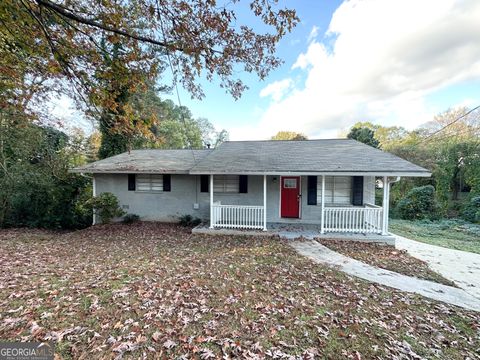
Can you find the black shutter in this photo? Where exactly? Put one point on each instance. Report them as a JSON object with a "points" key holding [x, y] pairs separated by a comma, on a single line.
{"points": [[131, 182], [243, 184], [204, 183], [312, 190], [357, 190], [167, 184]]}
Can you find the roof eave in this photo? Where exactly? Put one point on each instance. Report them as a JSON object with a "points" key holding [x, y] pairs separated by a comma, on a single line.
{"points": [[96, 171], [327, 173]]}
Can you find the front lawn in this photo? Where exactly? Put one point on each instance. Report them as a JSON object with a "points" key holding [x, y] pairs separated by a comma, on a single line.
{"points": [[152, 290], [454, 234]]}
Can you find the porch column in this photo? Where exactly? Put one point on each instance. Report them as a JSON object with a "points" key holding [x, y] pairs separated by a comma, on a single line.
{"points": [[322, 226], [264, 202], [386, 197], [211, 201], [94, 193]]}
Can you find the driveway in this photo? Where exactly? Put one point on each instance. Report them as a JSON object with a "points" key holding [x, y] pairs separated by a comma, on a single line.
{"points": [[461, 267], [448, 294]]}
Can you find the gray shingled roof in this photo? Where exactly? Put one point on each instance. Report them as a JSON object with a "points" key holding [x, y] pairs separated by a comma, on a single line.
{"points": [[342, 156], [147, 161], [329, 155]]}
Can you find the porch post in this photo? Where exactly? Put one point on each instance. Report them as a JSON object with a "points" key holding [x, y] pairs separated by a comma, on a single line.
{"points": [[211, 201], [264, 202], [94, 193], [322, 226], [385, 205]]}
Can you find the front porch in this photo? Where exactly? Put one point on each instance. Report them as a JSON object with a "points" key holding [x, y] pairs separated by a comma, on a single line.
{"points": [[342, 205]]}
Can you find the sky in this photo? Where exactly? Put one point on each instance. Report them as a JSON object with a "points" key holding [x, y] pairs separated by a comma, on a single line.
{"points": [[390, 62]]}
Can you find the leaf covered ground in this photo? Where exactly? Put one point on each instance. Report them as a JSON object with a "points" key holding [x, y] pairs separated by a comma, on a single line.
{"points": [[385, 257], [156, 291]]}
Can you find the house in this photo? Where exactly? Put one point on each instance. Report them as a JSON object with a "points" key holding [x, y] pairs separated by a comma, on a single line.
{"points": [[330, 183]]}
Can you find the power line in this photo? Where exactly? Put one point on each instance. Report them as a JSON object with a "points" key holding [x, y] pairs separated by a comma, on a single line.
{"points": [[449, 124], [174, 75]]}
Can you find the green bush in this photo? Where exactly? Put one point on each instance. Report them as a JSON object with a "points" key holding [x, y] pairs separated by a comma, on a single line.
{"points": [[471, 210], [419, 203], [130, 218], [189, 220], [36, 199], [106, 206]]}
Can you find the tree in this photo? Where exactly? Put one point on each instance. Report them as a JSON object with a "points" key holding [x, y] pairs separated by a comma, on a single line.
{"points": [[211, 137], [35, 186], [390, 136], [67, 41], [289, 135], [364, 134], [117, 120], [171, 126], [453, 140], [221, 137]]}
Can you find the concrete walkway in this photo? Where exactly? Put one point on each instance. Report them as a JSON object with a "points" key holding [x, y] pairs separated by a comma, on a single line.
{"points": [[321, 254], [461, 267]]}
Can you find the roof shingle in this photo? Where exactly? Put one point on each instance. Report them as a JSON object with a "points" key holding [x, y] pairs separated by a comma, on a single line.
{"points": [[147, 161], [342, 156], [326, 155]]}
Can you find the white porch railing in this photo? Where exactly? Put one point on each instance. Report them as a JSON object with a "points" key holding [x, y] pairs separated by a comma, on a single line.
{"points": [[237, 216], [366, 219]]}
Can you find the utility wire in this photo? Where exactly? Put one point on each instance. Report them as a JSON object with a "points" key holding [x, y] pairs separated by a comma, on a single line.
{"points": [[175, 84], [429, 137]]}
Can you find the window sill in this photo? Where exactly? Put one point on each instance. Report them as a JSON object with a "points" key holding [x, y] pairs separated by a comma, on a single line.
{"points": [[150, 191]]}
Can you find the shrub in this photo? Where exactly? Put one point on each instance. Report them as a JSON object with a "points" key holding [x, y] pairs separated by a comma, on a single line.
{"points": [[471, 210], [130, 218], [106, 206], [189, 220], [419, 203]]}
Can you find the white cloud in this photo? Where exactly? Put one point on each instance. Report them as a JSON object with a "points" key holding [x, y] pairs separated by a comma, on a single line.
{"points": [[313, 33], [277, 89], [387, 57]]}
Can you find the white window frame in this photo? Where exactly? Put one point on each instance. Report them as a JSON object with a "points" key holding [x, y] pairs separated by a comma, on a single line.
{"points": [[226, 184], [149, 183]]}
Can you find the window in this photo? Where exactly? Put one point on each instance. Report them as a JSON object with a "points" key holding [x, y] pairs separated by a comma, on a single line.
{"points": [[149, 182], [289, 183], [226, 184], [369, 190], [338, 190]]}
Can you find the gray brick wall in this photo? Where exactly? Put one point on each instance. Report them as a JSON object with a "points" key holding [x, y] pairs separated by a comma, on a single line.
{"points": [[185, 192]]}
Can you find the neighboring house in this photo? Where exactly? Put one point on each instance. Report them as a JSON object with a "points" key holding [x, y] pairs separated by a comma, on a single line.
{"points": [[326, 182]]}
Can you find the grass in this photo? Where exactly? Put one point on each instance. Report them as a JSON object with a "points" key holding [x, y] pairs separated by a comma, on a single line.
{"points": [[156, 291], [454, 234], [386, 257]]}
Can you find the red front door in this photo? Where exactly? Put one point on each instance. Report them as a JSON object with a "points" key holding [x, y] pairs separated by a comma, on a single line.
{"points": [[290, 193]]}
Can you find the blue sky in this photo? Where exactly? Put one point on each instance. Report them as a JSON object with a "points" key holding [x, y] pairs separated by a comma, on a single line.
{"points": [[225, 112], [407, 61], [391, 62]]}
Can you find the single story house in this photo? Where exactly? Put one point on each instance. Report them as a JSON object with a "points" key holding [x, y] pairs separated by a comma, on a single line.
{"points": [[250, 184]]}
